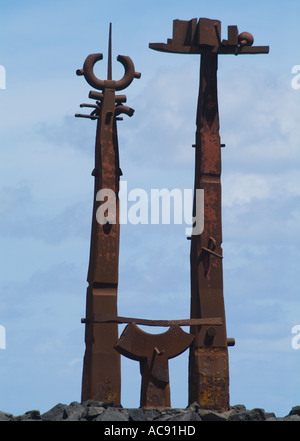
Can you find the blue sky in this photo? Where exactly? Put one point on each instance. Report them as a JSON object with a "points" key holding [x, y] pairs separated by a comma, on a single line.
{"points": [[46, 192]]}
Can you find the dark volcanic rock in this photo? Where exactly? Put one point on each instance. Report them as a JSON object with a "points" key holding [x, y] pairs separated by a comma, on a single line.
{"points": [[99, 411], [184, 415], [31, 415], [295, 411], [248, 415], [143, 414], [113, 414], [5, 416], [56, 413]]}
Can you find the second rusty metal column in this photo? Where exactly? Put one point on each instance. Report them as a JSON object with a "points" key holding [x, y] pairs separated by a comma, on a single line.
{"points": [[208, 363], [101, 378]]}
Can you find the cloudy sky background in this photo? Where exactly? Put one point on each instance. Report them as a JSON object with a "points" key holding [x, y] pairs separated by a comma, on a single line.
{"points": [[46, 192]]}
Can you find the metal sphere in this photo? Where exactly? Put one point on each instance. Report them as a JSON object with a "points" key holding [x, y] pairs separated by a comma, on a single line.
{"points": [[246, 39]]}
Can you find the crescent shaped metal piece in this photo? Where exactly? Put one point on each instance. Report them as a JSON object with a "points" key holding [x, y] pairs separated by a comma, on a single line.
{"points": [[88, 71], [137, 344], [130, 72]]}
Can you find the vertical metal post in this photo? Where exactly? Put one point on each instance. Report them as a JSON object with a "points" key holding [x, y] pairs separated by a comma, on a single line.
{"points": [[208, 362], [101, 378], [101, 372]]}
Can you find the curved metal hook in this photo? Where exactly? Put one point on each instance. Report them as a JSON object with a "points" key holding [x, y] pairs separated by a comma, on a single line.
{"points": [[130, 72], [123, 109], [88, 72]]}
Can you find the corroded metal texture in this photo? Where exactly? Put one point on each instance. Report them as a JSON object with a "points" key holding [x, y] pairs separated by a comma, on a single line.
{"points": [[101, 369], [208, 367], [153, 352], [204, 35], [208, 362], [106, 318]]}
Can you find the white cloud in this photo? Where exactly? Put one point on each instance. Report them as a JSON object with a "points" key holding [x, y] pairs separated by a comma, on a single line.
{"points": [[259, 120], [244, 188]]}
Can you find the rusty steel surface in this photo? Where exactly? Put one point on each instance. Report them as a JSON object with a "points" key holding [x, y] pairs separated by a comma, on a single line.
{"points": [[105, 318], [208, 359], [204, 35], [101, 378], [208, 367], [153, 352]]}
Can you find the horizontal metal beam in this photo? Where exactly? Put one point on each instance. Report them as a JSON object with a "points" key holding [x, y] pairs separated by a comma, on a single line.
{"points": [[225, 50], [105, 318]]}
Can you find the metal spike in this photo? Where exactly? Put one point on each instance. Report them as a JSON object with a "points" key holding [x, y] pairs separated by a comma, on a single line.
{"points": [[109, 68]]}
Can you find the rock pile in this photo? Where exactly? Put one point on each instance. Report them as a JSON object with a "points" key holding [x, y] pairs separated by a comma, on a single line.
{"points": [[99, 411]]}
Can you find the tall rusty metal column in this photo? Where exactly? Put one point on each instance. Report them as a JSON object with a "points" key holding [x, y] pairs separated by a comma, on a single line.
{"points": [[101, 370], [208, 361], [208, 365]]}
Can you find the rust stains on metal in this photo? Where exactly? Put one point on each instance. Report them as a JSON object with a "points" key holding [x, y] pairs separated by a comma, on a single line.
{"points": [[214, 385], [208, 342], [101, 370], [208, 362], [204, 35], [208, 366], [153, 352], [105, 318]]}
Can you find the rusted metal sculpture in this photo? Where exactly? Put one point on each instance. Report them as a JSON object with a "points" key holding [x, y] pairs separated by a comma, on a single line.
{"points": [[153, 352], [208, 361], [101, 371]]}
